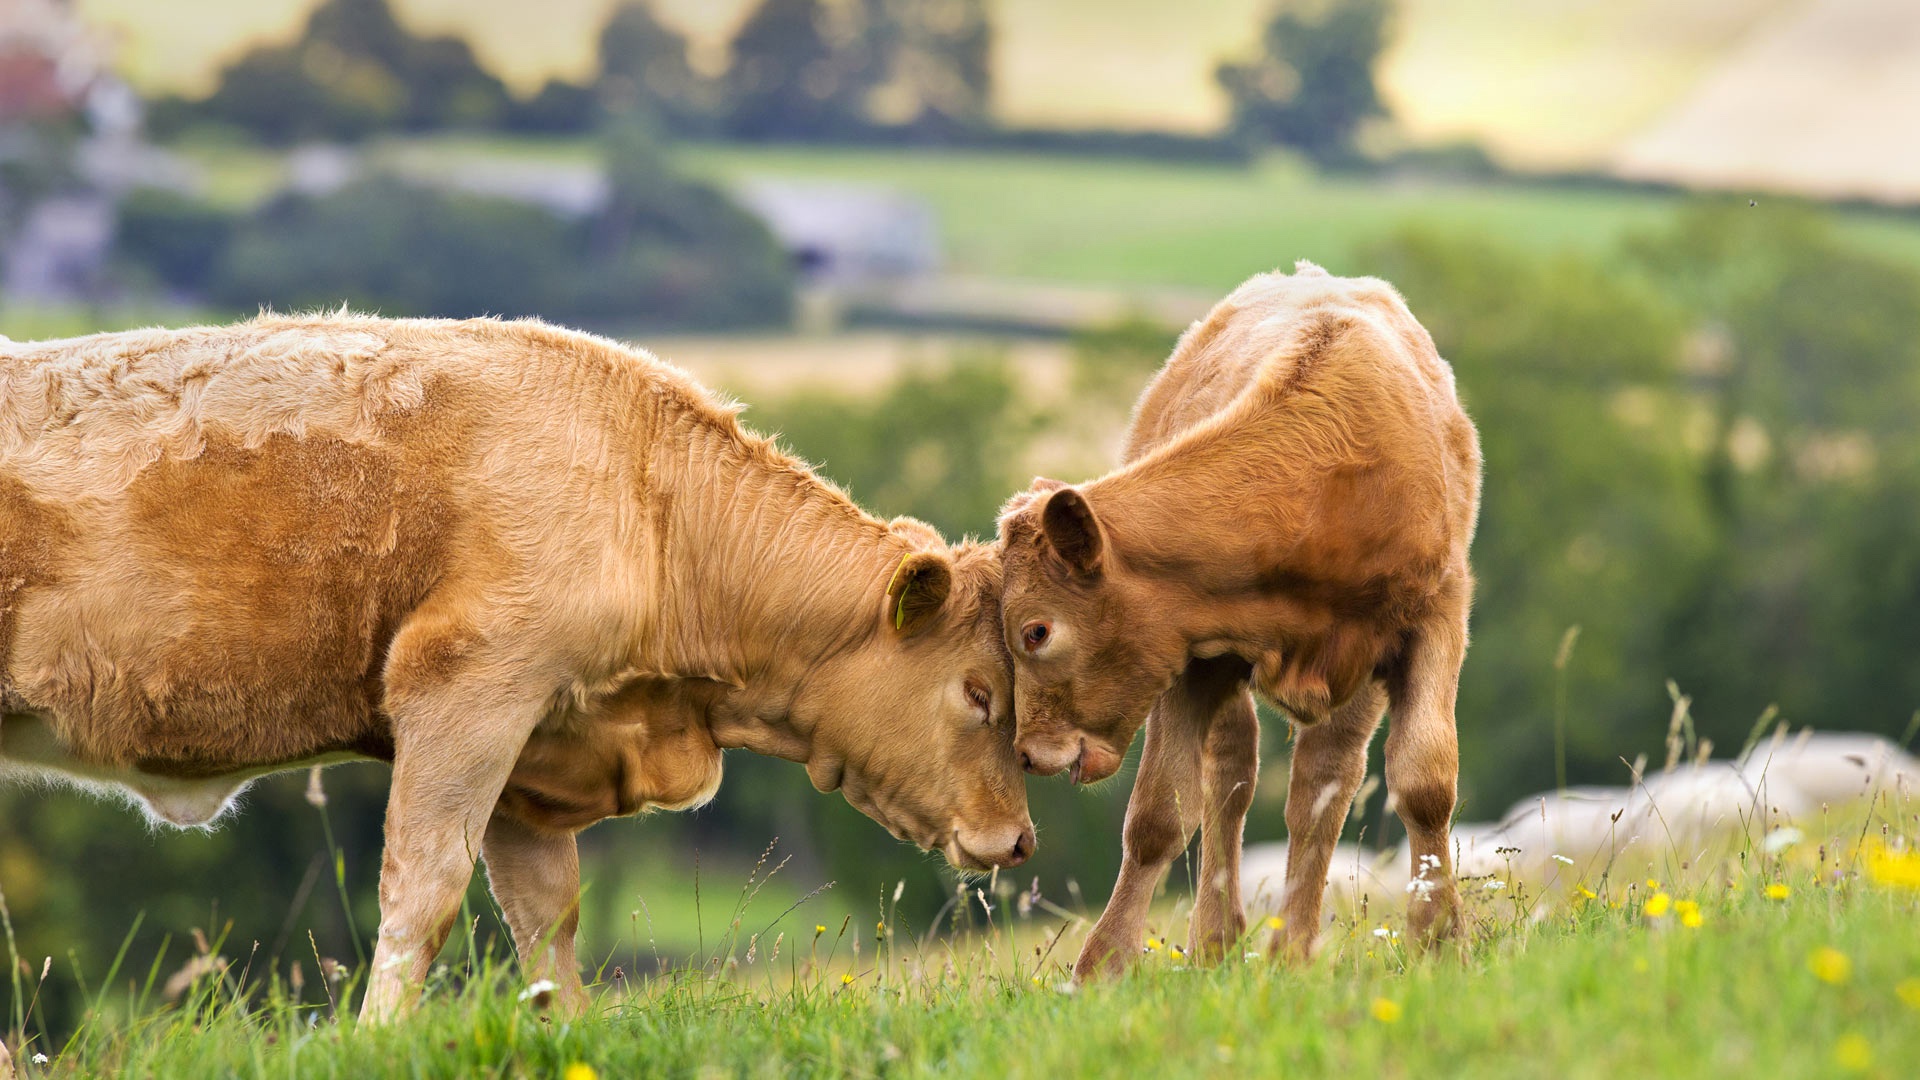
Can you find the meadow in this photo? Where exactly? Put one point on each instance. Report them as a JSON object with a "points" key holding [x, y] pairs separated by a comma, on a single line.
{"points": [[1754, 957], [1118, 222]]}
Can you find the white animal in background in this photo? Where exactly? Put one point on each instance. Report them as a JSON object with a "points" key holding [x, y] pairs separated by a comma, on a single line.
{"points": [[1557, 839]]}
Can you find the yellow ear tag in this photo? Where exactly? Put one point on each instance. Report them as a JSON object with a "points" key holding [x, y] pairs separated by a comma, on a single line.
{"points": [[900, 608]]}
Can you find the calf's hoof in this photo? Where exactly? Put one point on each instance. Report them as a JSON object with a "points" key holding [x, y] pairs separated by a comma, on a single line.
{"points": [[1103, 958]]}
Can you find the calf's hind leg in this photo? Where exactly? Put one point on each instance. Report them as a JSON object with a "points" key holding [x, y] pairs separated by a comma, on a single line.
{"points": [[1423, 770]]}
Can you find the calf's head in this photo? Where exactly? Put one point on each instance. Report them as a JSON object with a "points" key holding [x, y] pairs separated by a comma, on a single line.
{"points": [[914, 721], [1091, 645]]}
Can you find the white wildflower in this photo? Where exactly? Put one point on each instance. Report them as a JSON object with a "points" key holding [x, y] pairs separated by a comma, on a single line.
{"points": [[1495, 885], [1421, 888], [39, 1059], [544, 986], [1781, 839], [1563, 860], [1384, 933]]}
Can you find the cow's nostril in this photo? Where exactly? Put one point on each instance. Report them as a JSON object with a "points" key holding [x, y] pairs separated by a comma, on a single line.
{"points": [[1026, 761], [1023, 846]]}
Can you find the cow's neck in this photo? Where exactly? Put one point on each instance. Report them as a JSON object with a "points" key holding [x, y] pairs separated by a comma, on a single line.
{"points": [[767, 573]]}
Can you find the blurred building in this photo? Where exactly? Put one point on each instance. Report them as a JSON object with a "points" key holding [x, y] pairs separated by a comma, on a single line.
{"points": [[847, 234], [70, 146]]}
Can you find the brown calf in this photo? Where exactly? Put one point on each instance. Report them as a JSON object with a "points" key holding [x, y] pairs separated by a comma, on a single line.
{"points": [[546, 576], [1294, 515]]}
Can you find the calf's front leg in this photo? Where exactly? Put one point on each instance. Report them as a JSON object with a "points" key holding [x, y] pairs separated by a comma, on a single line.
{"points": [[1230, 767], [1166, 806], [1329, 762]]}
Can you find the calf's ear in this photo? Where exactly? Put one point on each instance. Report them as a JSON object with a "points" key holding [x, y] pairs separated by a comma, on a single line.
{"points": [[1073, 532], [918, 591]]}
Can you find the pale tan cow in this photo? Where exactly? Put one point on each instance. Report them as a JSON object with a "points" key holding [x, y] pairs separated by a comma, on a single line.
{"points": [[548, 577], [1294, 515]]}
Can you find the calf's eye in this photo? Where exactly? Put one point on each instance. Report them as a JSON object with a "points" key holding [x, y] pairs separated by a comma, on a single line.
{"points": [[1035, 634]]}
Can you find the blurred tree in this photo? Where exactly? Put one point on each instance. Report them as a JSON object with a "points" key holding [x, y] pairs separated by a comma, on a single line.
{"points": [[665, 252], [1807, 362], [177, 239], [931, 61], [795, 75], [644, 67], [1312, 85], [354, 71]]}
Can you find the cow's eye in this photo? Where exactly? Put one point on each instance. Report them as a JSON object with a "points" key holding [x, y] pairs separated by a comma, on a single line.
{"points": [[981, 698], [1035, 634]]}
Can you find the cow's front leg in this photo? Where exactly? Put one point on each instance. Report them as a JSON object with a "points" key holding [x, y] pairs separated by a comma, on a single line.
{"points": [[535, 875], [1230, 768], [460, 720], [1162, 813]]}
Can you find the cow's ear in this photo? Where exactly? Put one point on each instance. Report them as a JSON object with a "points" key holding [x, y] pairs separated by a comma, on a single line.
{"points": [[1073, 532], [918, 591]]}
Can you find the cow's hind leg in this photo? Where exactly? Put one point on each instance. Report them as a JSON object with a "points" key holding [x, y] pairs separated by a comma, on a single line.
{"points": [[1423, 770], [1162, 813], [1230, 767], [535, 875], [1329, 762]]}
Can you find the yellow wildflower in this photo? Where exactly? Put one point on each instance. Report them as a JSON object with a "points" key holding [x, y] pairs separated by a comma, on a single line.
{"points": [[1689, 913], [1830, 965], [1909, 991], [847, 979], [1853, 1052], [1275, 922], [818, 929], [1899, 869], [1657, 905], [1652, 884], [1385, 1011], [1777, 891], [1156, 944], [580, 1070]]}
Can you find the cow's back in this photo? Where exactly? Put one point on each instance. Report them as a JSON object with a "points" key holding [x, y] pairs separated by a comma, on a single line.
{"points": [[208, 537]]}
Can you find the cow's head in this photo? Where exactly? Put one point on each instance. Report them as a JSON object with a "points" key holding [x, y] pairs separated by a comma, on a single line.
{"points": [[915, 723], [1090, 647]]}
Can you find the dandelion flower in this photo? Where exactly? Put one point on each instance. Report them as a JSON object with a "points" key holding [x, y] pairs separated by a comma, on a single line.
{"points": [[1588, 894], [1689, 913], [1853, 1052], [1898, 869], [1155, 944], [1652, 884], [1275, 922], [1777, 891], [1385, 1010], [1036, 980], [847, 979], [1909, 992], [1657, 905], [818, 929], [1830, 965], [580, 1070]]}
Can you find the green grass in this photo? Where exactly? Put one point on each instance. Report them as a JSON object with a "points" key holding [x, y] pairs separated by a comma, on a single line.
{"points": [[1544, 986]]}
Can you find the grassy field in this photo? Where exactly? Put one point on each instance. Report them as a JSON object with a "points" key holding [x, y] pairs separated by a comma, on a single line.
{"points": [[1798, 964], [1124, 223]]}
